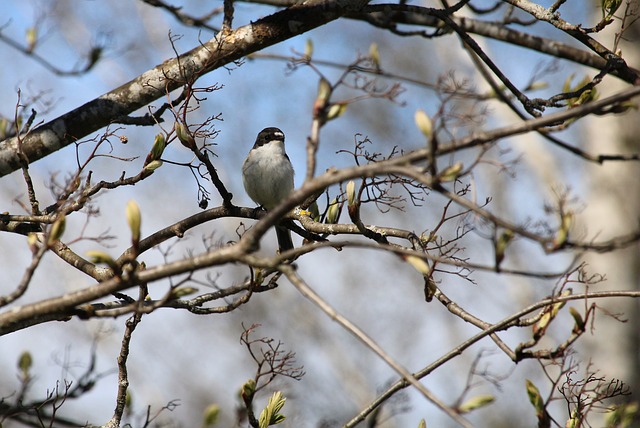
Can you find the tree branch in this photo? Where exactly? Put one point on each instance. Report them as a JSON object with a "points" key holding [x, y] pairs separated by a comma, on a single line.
{"points": [[307, 292], [153, 84]]}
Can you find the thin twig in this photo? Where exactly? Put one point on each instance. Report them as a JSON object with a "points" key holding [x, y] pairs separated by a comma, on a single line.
{"points": [[308, 292], [123, 376]]}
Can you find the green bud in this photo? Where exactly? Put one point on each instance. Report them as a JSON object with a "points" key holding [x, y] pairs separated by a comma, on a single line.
{"points": [[374, 53], [180, 292], [32, 38], [134, 218], [574, 420], [423, 121], [476, 403], [451, 173], [25, 361], [184, 136], [505, 238], [270, 415], [4, 124], [567, 220], [248, 389], [577, 319], [353, 205], [534, 396], [153, 165], [57, 229], [324, 91], [557, 306], [333, 212], [308, 49], [100, 257], [501, 245], [541, 325], [336, 110], [211, 414], [430, 288], [585, 97], [322, 99], [609, 8], [560, 239], [314, 211], [563, 233], [418, 264], [159, 144], [537, 85], [621, 415], [258, 276], [427, 237], [351, 192]]}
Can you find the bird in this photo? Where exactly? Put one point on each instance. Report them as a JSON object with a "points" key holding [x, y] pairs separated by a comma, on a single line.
{"points": [[267, 176]]}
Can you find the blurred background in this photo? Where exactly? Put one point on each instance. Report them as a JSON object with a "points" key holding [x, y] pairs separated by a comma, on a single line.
{"points": [[198, 361]]}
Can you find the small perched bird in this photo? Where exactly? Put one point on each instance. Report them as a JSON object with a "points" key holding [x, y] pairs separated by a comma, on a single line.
{"points": [[267, 175]]}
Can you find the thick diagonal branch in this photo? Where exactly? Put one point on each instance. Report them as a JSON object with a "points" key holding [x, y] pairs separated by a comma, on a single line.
{"points": [[153, 84]]}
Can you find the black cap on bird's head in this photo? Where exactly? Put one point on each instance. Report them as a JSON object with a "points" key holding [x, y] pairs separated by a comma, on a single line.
{"points": [[269, 134]]}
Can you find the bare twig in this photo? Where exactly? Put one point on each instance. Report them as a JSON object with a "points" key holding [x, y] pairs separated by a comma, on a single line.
{"points": [[123, 376], [307, 292]]}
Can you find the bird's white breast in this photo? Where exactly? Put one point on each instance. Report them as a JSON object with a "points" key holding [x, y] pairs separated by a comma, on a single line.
{"points": [[268, 174]]}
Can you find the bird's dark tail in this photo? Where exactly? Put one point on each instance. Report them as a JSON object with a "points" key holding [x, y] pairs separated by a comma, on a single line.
{"points": [[284, 238]]}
